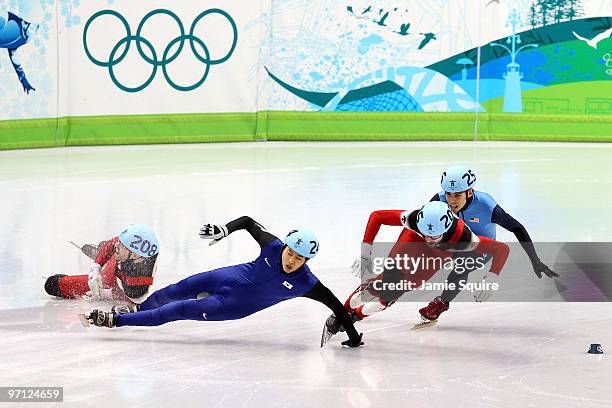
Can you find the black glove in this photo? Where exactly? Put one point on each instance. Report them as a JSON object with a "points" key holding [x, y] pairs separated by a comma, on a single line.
{"points": [[540, 268], [214, 232], [354, 342]]}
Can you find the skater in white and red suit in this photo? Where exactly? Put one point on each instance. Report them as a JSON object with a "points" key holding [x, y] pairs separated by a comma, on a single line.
{"points": [[440, 232], [123, 270]]}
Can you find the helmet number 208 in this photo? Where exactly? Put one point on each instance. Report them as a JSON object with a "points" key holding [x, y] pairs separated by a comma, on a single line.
{"points": [[145, 246]]}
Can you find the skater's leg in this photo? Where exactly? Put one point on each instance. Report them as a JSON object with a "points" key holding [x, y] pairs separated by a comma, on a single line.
{"points": [[456, 279], [460, 279], [361, 303], [210, 308], [442, 303], [189, 288], [364, 302], [68, 287]]}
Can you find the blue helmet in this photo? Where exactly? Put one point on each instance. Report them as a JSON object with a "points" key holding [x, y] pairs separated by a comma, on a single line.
{"points": [[435, 218], [458, 178], [139, 239], [303, 242]]}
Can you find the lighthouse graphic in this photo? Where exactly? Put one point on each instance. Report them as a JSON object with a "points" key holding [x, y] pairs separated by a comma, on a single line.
{"points": [[513, 101]]}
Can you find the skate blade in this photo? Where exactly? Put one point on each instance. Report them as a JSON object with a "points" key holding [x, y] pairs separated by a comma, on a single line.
{"points": [[75, 245], [90, 251], [423, 325], [84, 320], [325, 336]]}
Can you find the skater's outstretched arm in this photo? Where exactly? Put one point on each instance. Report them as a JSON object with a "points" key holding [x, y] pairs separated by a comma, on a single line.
{"points": [[377, 218], [381, 217], [322, 294], [506, 221], [218, 232], [257, 231], [499, 250]]}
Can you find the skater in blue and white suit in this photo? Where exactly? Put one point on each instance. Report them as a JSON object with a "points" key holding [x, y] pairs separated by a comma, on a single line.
{"points": [[279, 273]]}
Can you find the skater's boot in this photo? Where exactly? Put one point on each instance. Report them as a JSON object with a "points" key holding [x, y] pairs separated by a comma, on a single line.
{"points": [[433, 310], [102, 319], [333, 326], [123, 309], [52, 286]]}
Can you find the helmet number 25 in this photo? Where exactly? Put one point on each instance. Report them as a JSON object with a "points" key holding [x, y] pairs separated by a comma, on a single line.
{"points": [[471, 177]]}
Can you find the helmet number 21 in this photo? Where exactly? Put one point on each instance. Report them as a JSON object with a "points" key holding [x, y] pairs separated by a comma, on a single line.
{"points": [[447, 219]]}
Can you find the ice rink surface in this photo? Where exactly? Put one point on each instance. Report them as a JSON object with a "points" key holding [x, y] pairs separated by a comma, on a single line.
{"points": [[479, 355]]}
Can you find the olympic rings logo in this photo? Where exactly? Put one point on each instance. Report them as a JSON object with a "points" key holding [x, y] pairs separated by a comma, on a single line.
{"points": [[126, 42]]}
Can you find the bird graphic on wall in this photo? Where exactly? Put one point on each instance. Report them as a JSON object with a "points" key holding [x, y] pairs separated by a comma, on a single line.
{"points": [[593, 42], [404, 29], [426, 39], [381, 22]]}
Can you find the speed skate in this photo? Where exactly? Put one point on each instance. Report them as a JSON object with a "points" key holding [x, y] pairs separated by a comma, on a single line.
{"points": [[326, 335], [424, 324], [84, 320]]}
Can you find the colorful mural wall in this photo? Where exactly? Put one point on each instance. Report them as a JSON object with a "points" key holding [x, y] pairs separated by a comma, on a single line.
{"points": [[130, 71], [434, 57]]}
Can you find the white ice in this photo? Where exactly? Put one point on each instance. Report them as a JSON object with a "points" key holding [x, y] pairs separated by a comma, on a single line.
{"points": [[479, 355]]}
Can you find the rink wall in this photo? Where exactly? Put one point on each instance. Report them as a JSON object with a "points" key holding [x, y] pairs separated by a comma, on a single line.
{"points": [[135, 71], [389, 126], [299, 126]]}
